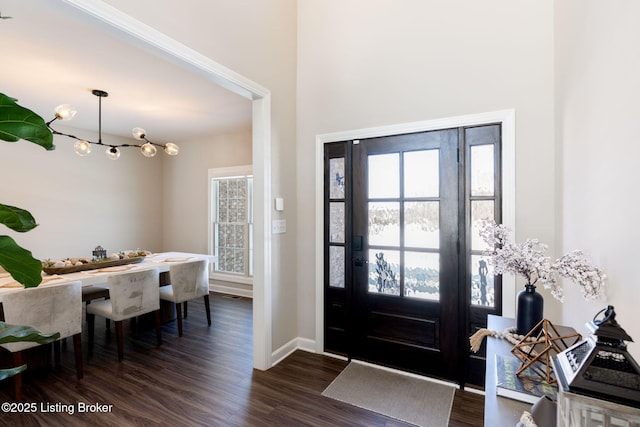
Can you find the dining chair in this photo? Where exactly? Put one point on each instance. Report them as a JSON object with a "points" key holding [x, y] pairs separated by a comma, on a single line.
{"points": [[188, 280], [131, 294], [89, 293], [50, 309]]}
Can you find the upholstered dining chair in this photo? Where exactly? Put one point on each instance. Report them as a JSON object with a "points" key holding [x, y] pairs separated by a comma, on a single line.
{"points": [[48, 308], [89, 293], [189, 280], [131, 294]]}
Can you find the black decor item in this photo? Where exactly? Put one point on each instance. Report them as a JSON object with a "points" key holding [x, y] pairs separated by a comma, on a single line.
{"points": [[530, 309]]}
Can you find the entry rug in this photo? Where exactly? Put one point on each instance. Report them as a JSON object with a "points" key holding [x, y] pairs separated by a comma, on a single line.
{"points": [[403, 397]]}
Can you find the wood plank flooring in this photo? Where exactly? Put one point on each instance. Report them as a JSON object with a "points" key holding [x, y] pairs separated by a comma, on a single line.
{"points": [[204, 378]]}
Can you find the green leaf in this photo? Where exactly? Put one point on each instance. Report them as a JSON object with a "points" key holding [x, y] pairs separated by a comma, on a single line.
{"points": [[17, 123], [8, 373], [20, 333], [16, 219], [20, 263]]}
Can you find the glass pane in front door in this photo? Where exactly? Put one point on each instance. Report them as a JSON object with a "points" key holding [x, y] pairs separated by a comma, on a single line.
{"points": [[384, 272], [421, 173], [422, 275], [383, 176], [422, 225]]}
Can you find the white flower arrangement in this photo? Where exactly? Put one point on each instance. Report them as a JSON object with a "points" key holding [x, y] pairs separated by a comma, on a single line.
{"points": [[528, 260]]}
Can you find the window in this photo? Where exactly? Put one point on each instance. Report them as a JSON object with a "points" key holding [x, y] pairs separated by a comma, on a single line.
{"points": [[231, 231]]}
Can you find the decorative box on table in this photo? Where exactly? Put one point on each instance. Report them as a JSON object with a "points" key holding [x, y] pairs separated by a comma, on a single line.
{"points": [[598, 380]]}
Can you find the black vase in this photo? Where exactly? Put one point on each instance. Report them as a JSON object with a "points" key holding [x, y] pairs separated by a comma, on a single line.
{"points": [[530, 308]]}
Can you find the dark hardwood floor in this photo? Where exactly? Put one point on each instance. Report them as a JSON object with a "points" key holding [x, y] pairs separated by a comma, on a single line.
{"points": [[204, 378]]}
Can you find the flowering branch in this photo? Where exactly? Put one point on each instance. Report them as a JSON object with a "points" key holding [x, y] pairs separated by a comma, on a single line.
{"points": [[529, 261]]}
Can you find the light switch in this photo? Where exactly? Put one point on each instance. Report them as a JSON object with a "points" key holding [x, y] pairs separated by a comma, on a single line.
{"points": [[279, 204]]}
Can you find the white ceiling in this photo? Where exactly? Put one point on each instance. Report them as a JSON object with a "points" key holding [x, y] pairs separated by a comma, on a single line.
{"points": [[53, 54]]}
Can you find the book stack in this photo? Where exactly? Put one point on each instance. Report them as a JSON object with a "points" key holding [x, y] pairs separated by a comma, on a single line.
{"points": [[521, 388]]}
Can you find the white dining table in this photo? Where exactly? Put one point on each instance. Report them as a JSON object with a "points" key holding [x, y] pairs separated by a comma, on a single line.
{"points": [[162, 261]]}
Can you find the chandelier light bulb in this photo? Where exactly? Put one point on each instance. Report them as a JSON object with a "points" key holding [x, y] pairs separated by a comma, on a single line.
{"points": [[82, 148], [171, 149], [113, 153], [139, 133], [148, 150], [65, 112]]}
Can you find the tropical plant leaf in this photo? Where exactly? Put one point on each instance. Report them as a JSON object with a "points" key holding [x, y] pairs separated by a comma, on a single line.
{"points": [[17, 219], [8, 373], [18, 333], [20, 263], [17, 123], [22, 333]]}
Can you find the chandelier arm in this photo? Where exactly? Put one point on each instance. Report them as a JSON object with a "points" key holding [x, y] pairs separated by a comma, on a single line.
{"points": [[154, 143], [68, 135]]}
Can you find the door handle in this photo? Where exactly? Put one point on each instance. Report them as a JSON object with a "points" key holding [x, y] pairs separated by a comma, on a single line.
{"points": [[359, 260]]}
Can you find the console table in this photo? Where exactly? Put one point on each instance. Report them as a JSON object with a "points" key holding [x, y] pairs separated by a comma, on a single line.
{"points": [[501, 411]]}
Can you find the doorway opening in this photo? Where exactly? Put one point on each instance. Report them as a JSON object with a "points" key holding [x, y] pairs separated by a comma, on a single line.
{"points": [[137, 33]]}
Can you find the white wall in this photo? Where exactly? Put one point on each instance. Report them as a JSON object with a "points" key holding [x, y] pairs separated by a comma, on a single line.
{"points": [[82, 202], [597, 87], [256, 39], [186, 191], [368, 63]]}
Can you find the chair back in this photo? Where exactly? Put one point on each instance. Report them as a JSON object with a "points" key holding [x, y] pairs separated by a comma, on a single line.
{"points": [[189, 280], [135, 293], [47, 308]]}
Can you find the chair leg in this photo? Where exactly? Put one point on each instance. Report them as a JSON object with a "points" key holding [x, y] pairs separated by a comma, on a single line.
{"points": [[91, 321], [77, 349], [17, 379], [179, 316], [120, 339], [158, 328], [56, 353], [185, 309], [207, 307]]}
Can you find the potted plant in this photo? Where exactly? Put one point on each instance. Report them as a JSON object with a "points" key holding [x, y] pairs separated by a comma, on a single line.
{"points": [[16, 123], [529, 260]]}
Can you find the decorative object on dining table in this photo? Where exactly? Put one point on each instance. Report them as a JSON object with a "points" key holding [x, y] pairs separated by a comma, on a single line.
{"points": [[99, 252], [73, 265], [529, 261]]}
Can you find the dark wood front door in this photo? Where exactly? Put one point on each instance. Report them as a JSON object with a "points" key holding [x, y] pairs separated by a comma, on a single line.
{"points": [[399, 273], [405, 276]]}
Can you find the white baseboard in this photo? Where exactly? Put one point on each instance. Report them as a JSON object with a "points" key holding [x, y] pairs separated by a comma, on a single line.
{"points": [[297, 343], [224, 289]]}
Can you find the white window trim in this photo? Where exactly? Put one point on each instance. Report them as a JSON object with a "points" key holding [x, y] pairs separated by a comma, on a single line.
{"points": [[243, 170]]}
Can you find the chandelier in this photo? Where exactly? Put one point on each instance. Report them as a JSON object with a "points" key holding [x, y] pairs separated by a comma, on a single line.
{"points": [[83, 146]]}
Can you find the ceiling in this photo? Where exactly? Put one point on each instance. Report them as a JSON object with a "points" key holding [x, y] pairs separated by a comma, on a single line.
{"points": [[53, 54]]}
